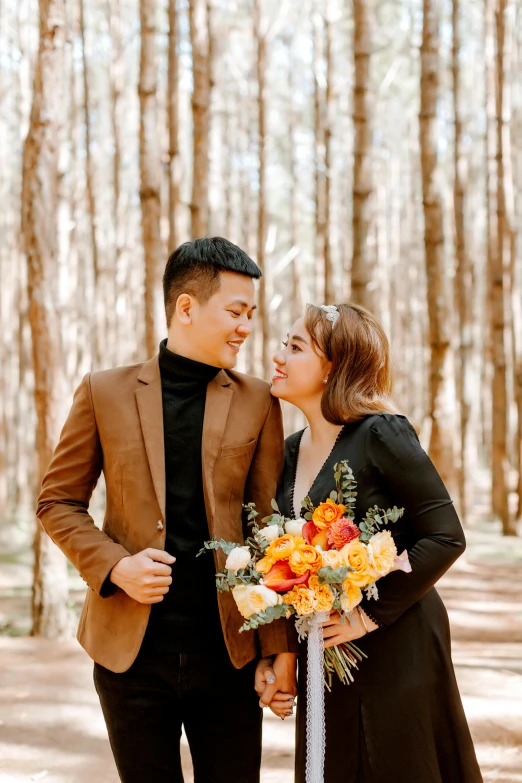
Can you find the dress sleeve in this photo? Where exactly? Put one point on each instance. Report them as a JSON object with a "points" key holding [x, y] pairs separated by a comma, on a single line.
{"points": [[394, 451]]}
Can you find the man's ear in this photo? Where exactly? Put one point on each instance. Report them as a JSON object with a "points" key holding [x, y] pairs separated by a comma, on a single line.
{"points": [[184, 305]]}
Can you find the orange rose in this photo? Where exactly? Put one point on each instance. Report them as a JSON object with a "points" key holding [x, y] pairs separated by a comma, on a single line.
{"points": [[323, 596], [326, 513], [281, 548], [305, 558], [301, 598], [320, 539], [264, 565]]}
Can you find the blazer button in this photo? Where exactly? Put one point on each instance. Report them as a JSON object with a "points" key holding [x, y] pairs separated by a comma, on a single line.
{"points": [[160, 525]]}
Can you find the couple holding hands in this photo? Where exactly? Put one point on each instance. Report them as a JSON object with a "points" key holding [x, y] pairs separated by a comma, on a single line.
{"points": [[184, 441]]}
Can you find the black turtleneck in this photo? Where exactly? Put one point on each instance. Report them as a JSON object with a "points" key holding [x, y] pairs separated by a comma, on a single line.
{"points": [[187, 619]]}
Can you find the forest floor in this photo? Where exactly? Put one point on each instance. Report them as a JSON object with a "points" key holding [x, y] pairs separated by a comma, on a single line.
{"points": [[51, 726]]}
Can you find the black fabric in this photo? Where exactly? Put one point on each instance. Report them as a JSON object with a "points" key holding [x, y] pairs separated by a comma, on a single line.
{"points": [[402, 718], [187, 620], [145, 707]]}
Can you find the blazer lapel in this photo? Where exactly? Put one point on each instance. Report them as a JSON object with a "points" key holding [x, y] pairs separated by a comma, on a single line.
{"points": [[217, 405], [150, 409]]}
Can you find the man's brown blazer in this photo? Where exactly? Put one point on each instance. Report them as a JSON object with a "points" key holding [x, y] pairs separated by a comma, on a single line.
{"points": [[116, 426]]}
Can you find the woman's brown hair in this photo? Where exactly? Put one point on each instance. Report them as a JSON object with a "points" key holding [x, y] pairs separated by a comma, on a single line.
{"points": [[360, 381]]}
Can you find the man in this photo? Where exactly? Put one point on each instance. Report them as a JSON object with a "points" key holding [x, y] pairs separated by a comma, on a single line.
{"points": [[183, 441]]}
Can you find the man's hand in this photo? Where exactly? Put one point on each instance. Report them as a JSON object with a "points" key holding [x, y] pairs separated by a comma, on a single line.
{"points": [[146, 577], [278, 677]]}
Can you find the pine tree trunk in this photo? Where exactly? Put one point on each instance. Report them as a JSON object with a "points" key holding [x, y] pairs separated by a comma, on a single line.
{"points": [[149, 169], [329, 284], [516, 258], [199, 37], [363, 256], [463, 277], [116, 86], [172, 118], [491, 222], [98, 308], [499, 391], [319, 161], [440, 379], [262, 303], [40, 195]]}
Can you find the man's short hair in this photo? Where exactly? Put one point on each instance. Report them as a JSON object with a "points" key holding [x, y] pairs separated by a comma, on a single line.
{"points": [[195, 266]]}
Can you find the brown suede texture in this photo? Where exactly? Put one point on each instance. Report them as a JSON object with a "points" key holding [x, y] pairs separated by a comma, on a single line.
{"points": [[115, 425]]}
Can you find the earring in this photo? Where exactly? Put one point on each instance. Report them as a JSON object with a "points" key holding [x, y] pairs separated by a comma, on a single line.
{"points": [[325, 380]]}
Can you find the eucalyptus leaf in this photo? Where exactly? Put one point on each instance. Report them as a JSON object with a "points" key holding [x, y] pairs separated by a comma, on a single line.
{"points": [[332, 576]]}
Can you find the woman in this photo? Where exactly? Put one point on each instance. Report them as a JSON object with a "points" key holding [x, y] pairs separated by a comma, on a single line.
{"points": [[402, 719]]}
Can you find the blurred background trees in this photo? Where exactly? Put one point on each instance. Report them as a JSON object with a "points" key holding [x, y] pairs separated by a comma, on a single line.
{"points": [[357, 150]]}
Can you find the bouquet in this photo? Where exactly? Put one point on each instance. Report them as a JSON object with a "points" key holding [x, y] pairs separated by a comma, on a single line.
{"points": [[311, 566]]}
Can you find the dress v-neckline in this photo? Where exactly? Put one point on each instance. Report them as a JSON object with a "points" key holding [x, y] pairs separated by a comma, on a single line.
{"points": [[292, 509]]}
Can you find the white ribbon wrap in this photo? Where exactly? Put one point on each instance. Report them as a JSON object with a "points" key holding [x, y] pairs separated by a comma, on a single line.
{"points": [[315, 720]]}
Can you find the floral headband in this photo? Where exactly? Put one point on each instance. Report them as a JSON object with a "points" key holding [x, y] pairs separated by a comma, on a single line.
{"points": [[332, 313]]}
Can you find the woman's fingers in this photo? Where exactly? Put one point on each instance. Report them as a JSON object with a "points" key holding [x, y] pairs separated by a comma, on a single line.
{"points": [[283, 697], [332, 620], [332, 630], [333, 641], [281, 709]]}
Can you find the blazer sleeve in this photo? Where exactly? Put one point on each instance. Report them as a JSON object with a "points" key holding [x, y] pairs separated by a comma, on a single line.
{"points": [[261, 487], [400, 462], [66, 491]]}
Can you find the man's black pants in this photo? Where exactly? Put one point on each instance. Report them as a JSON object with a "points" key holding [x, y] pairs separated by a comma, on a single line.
{"points": [[146, 707]]}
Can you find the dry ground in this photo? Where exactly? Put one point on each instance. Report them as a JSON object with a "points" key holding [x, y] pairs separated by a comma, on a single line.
{"points": [[51, 727]]}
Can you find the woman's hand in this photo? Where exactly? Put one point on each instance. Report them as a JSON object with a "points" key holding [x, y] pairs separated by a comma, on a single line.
{"points": [[283, 705], [275, 683], [336, 632]]}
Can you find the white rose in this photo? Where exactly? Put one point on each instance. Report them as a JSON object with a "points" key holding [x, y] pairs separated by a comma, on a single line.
{"points": [[332, 558], [270, 533], [238, 558], [295, 526], [251, 599]]}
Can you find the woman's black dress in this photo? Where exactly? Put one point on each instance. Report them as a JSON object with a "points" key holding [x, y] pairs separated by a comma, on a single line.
{"points": [[402, 720]]}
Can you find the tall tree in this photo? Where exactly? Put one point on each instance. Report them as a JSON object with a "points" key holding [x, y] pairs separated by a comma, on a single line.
{"points": [[199, 38], [440, 378], [40, 197], [499, 390], [115, 109], [363, 255], [329, 282], [98, 309], [319, 155], [463, 276], [260, 43], [149, 168], [173, 125]]}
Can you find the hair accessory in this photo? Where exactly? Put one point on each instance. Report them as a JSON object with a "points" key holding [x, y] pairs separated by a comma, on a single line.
{"points": [[332, 312]]}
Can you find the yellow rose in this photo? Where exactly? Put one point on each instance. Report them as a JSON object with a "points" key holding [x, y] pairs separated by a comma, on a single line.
{"points": [[382, 551], [251, 599], [332, 558], [352, 595], [326, 513], [323, 596], [305, 558], [355, 554], [264, 565], [301, 598], [281, 548]]}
